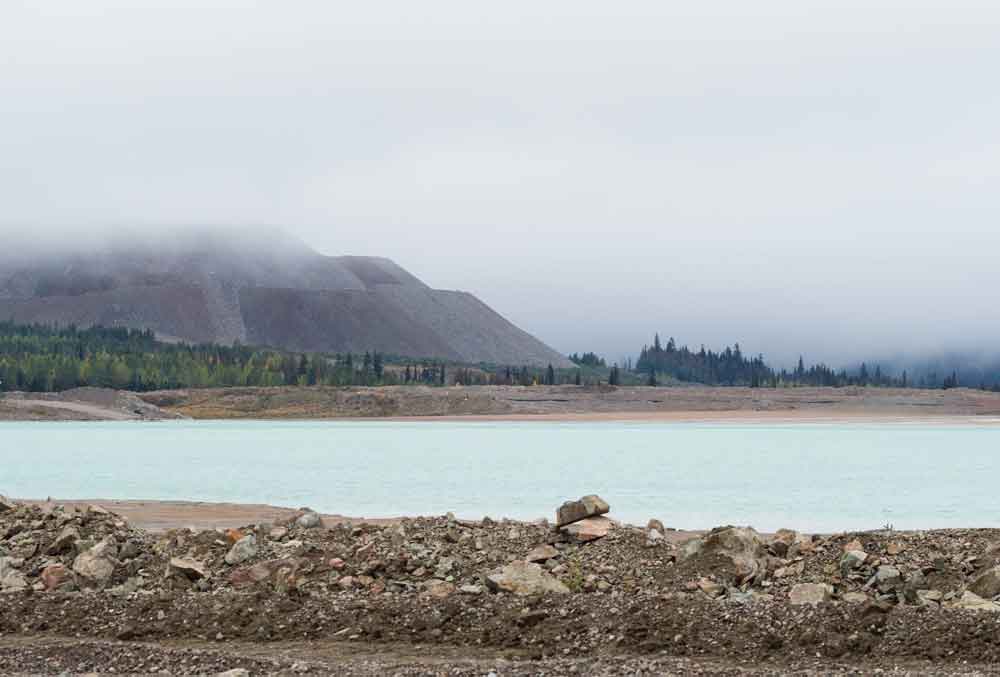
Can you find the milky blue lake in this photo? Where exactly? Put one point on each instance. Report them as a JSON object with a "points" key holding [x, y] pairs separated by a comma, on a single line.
{"points": [[814, 477]]}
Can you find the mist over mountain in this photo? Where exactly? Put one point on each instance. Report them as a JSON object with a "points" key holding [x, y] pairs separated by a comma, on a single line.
{"points": [[259, 287]]}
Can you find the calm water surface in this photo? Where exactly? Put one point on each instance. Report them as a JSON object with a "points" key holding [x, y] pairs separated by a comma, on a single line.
{"points": [[820, 477]]}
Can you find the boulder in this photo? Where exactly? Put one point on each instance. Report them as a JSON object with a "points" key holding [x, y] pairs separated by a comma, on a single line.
{"points": [[54, 576], [810, 593], [188, 568], [655, 533], [987, 584], [589, 529], [97, 565], [852, 559], [525, 578], [574, 511], [438, 589], [742, 546], [65, 541], [972, 601], [308, 520], [711, 588], [541, 554], [11, 580], [6, 505], [887, 578], [925, 597], [654, 538], [854, 597], [242, 550]]}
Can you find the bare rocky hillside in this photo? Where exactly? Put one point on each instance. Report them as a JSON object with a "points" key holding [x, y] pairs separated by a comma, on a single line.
{"points": [[226, 286]]}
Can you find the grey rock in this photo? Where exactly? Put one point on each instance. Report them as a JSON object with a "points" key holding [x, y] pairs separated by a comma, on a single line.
{"points": [[65, 541], [541, 554], [96, 565], [853, 559], [972, 601], [887, 579], [188, 568], [309, 520], [574, 511], [11, 580], [242, 550], [525, 578], [810, 593], [987, 584], [742, 545]]}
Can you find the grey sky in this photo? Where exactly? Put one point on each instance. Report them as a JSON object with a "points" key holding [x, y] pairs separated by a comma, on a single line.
{"points": [[792, 175]]}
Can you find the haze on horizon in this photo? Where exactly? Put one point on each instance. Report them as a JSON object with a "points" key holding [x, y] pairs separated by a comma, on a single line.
{"points": [[794, 176]]}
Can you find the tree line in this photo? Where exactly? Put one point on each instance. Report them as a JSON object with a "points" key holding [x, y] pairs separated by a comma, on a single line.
{"points": [[730, 366], [42, 358]]}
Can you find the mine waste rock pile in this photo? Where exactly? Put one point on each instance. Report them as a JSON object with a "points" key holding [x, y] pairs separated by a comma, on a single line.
{"points": [[583, 585]]}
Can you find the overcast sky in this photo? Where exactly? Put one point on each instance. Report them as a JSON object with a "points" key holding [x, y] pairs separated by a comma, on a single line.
{"points": [[795, 176]]}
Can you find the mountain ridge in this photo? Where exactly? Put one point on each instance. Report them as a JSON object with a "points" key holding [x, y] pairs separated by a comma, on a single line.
{"points": [[262, 290]]}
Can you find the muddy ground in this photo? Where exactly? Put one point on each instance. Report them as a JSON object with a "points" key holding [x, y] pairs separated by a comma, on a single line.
{"points": [[85, 590]]}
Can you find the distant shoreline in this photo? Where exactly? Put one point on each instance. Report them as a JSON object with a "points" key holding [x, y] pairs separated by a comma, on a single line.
{"points": [[695, 404]]}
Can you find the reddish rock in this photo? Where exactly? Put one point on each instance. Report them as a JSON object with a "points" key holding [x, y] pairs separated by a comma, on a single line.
{"points": [[54, 575], [589, 529]]}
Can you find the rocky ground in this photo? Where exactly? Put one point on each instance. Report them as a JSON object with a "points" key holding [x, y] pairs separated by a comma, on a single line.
{"points": [[84, 591]]}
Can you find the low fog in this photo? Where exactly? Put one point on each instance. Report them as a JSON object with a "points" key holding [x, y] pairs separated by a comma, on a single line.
{"points": [[798, 177]]}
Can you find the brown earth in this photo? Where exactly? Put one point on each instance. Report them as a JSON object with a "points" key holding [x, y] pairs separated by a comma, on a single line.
{"points": [[409, 598]]}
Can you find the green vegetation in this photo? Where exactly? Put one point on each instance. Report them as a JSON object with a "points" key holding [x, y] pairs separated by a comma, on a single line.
{"points": [[39, 358], [731, 367]]}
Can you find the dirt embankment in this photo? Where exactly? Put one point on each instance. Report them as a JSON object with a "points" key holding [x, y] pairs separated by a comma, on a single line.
{"points": [[84, 590], [80, 404], [578, 403]]}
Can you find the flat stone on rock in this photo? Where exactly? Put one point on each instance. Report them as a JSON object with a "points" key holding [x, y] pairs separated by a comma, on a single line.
{"points": [[541, 554], [574, 511], [987, 585], [810, 593], [525, 578], [190, 569], [589, 529]]}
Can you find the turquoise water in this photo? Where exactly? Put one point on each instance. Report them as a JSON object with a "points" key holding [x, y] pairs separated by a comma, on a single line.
{"points": [[817, 477]]}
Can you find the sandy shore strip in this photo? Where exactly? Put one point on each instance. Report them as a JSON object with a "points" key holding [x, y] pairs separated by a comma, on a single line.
{"points": [[721, 417], [159, 516]]}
